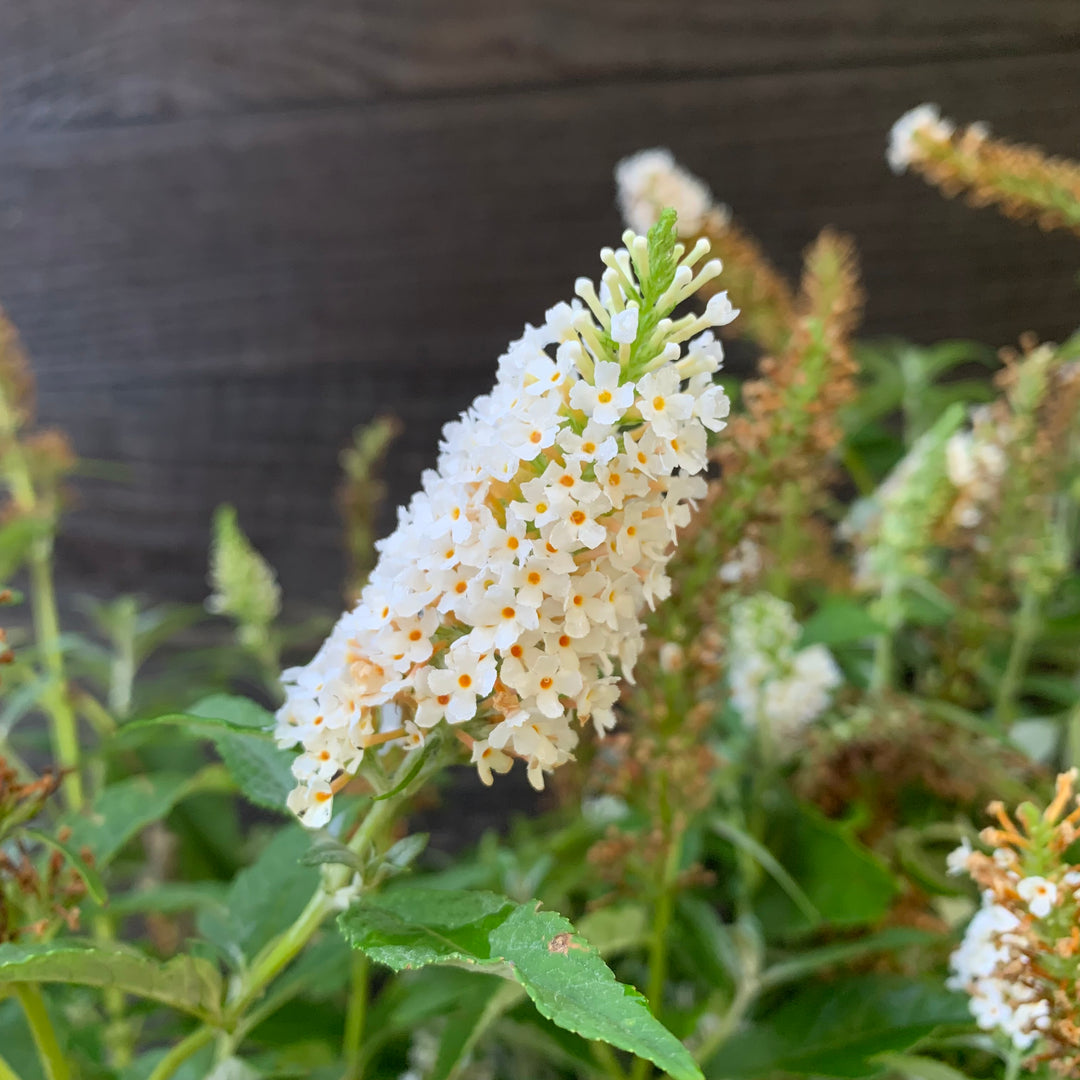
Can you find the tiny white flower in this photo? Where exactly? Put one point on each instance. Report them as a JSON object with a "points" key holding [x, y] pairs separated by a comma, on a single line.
{"points": [[605, 400], [1039, 894], [624, 325]]}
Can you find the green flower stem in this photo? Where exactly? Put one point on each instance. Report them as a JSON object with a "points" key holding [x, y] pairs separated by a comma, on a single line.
{"points": [[745, 996], [658, 939], [881, 674], [7, 1072], [280, 953], [356, 1017], [63, 726], [52, 1057], [176, 1057], [1026, 630], [606, 1059], [119, 1037], [65, 732]]}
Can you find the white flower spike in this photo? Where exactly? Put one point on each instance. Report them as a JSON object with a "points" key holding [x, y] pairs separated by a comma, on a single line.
{"points": [[506, 603]]}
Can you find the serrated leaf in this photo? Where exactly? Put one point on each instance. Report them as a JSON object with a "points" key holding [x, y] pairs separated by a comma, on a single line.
{"points": [[264, 898], [611, 931], [563, 974], [839, 1028], [238, 712], [187, 984], [240, 731]]}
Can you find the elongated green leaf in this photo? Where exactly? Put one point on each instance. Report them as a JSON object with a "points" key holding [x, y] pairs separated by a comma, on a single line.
{"points": [[917, 1067], [186, 983], [838, 1029], [847, 884], [170, 898], [240, 730], [769, 864], [264, 898], [839, 622], [238, 712], [814, 960], [563, 974], [125, 808]]}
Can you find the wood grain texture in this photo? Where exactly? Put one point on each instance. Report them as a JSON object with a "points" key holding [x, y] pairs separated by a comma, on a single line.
{"points": [[214, 302], [74, 62]]}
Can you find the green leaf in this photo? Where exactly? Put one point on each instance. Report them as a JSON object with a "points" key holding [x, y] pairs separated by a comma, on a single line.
{"points": [[264, 898], [324, 849], [814, 960], [170, 898], [125, 808], [611, 931], [768, 862], [15, 540], [846, 883], [91, 878], [839, 621], [185, 983], [404, 853], [917, 1067], [564, 975], [838, 1029], [236, 712], [240, 730]]}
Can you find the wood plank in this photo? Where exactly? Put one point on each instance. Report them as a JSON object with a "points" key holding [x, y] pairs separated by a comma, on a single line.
{"points": [[215, 303], [69, 61]]}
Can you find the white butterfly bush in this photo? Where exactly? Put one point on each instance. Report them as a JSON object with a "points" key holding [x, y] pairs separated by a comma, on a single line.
{"points": [[506, 602], [772, 682]]}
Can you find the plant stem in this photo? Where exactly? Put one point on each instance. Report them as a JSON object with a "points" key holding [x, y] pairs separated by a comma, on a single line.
{"points": [[606, 1059], [64, 728], [881, 675], [41, 1027], [199, 1038], [744, 998], [658, 944], [356, 1017], [1013, 1063], [119, 1039], [1026, 630], [280, 953]]}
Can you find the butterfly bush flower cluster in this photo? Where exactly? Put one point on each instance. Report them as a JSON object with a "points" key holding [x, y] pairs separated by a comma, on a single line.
{"points": [[975, 462], [1020, 957], [506, 602], [774, 684]]}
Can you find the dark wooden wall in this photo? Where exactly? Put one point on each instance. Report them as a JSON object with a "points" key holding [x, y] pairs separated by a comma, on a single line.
{"points": [[232, 229]]}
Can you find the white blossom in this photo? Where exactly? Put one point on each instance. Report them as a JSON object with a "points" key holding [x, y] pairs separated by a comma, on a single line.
{"points": [[902, 147], [773, 683], [1039, 894], [507, 601]]}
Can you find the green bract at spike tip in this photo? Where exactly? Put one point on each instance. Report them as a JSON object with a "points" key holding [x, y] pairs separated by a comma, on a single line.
{"points": [[662, 239]]}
